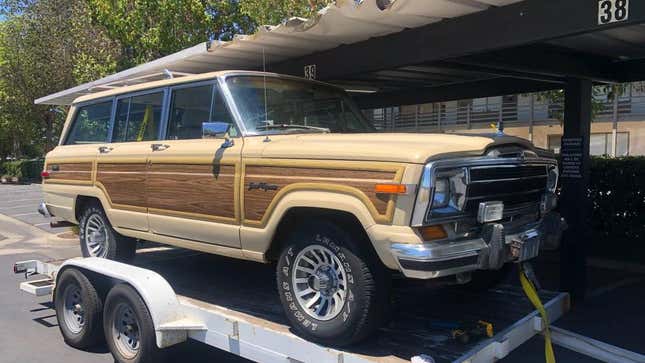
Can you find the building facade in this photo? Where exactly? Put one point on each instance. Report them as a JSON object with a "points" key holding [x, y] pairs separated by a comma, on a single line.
{"points": [[618, 127]]}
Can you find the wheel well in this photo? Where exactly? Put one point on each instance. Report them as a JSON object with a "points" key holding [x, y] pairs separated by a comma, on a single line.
{"points": [[83, 202], [295, 216]]}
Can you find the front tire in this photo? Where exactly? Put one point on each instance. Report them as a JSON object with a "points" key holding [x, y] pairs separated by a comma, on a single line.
{"points": [[332, 287], [99, 239]]}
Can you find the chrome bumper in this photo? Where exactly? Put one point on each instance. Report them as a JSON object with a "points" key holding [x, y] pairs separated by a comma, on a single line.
{"points": [[42, 209], [490, 251]]}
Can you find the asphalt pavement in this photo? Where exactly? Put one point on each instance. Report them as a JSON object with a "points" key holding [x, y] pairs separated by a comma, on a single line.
{"points": [[612, 312]]}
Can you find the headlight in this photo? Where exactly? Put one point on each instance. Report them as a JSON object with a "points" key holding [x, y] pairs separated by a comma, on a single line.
{"points": [[442, 193], [449, 193]]}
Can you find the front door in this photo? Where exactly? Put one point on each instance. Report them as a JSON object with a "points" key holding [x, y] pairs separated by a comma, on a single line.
{"points": [[192, 184], [122, 165]]}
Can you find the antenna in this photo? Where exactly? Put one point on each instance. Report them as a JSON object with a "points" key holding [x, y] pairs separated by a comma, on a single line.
{"points": [[264, 77]]}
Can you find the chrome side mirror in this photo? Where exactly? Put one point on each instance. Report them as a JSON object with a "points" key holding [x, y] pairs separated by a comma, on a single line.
{"points": [[215, 130]]}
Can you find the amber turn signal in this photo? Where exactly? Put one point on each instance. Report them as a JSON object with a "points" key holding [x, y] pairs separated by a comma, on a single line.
{"points": [[390, 188], [432, 233]]}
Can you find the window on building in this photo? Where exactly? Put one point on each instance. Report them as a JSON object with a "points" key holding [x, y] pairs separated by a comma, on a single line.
{"points": [[599, 144], [138, 118], [91, 124]]}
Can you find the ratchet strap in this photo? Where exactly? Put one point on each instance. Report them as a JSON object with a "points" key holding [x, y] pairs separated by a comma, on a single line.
{"points": [[531, 293]]}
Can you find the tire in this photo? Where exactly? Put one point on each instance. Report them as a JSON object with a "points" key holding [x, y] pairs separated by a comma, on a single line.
{"points": [[107, 243], [487, 279], [78, 309], [128, 327], [339, 322]]}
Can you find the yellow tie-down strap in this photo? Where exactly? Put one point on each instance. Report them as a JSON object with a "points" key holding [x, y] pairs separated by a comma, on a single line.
{"points": [[531, 293]]}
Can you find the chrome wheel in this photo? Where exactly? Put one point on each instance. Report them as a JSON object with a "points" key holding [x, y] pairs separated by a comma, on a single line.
{"points": [[73, 312], [96, 236], [319, 282], [125, 331]]}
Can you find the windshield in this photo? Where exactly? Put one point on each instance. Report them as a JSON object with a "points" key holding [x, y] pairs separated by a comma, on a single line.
{"points": [[294, 106]]}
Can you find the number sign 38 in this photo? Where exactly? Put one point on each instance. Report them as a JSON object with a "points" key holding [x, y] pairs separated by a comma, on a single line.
{"points": [[612, 11]]}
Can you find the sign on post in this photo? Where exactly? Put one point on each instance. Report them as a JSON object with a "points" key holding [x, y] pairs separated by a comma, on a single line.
{"points": [[612, 11]]}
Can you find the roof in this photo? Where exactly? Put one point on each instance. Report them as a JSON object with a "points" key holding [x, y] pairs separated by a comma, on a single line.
{"points": [[345, 22]]}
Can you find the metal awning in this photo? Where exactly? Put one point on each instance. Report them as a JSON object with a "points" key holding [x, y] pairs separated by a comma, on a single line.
{"points": [[345, 22]]}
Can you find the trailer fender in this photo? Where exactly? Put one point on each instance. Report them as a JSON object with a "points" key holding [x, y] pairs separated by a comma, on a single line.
{"points": [[167, 314]]}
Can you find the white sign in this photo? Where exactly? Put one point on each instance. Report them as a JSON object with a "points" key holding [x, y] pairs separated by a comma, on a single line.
{"points": [[310, 71], [612, 11]]}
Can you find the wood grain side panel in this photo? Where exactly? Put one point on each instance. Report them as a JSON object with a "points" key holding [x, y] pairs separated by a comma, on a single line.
{"points": [[123, 183], [195, 189], [70, 171], [257, 201]]}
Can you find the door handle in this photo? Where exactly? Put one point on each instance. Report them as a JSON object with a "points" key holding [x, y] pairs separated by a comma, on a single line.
{"points": [[105, 149], [159, 147]]}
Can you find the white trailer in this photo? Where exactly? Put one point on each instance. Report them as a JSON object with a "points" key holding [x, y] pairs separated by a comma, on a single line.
{"points": [[143, 314]]}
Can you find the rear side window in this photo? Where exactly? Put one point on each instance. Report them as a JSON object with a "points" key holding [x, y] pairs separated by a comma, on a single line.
{"points": [[138, 118], [91, 124]]}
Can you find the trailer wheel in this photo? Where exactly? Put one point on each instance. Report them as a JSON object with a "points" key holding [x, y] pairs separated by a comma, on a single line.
{"points": [[78, 309], [128, 327], [99, 239], [333, 290]]}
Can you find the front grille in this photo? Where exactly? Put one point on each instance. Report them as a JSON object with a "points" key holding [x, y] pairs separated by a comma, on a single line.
{"points": [[519, 186]]}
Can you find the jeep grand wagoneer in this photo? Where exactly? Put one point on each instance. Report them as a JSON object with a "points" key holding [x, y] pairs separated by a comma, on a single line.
{"points": [[265, 167]]}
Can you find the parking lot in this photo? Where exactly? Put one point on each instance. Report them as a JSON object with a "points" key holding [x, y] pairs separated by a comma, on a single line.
{"points": [[616, 293]]}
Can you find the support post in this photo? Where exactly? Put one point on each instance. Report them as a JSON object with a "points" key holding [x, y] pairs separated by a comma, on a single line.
{"points": [[575, 205], [614, 124], [531, 116]]}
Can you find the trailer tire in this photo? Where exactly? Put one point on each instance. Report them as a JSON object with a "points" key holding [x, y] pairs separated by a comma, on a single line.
{"points": [[78, 309], [128, 327], [104, 242], [357, 311]]}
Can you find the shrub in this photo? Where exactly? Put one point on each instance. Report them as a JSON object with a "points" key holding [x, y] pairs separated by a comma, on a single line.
{"points": [[24, 169]]}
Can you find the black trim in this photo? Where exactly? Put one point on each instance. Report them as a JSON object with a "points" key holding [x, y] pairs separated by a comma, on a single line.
{"points": [[439, 265]]}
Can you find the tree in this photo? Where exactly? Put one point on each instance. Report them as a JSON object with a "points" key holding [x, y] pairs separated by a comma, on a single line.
{"points": [[271, 12], [45, 46], [150, 29]]}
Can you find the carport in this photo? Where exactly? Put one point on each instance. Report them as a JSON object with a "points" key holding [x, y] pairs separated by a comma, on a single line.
{"points": [[405, 52]]}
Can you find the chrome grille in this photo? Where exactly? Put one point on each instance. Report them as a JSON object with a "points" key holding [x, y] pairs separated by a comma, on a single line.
{"points": [[520, 187]]}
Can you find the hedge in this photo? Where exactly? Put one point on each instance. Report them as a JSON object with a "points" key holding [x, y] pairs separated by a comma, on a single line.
{"points": [[23, 169], [618, 196]]}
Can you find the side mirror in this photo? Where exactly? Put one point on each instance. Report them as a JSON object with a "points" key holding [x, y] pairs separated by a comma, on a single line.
{"points": [[215, 129], [212, 130]]}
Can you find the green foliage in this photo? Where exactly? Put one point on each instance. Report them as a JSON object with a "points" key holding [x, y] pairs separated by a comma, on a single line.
{"points": [[557, 97], [24, 169], [271, 12], [149, 29]]}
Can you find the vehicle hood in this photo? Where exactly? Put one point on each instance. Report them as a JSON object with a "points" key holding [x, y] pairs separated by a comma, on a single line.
{"points": [[393, 147]]}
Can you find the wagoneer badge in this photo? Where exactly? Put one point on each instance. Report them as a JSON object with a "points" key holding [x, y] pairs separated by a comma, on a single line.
{"points": [[264, 186]]}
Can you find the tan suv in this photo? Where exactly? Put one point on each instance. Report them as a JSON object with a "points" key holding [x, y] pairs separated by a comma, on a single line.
{"points": [[265, 167]]}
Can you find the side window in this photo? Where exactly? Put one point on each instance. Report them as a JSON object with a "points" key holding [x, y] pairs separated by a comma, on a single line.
{"points": [[189, 107], [219, 112], [138, 118], [91, 124]]}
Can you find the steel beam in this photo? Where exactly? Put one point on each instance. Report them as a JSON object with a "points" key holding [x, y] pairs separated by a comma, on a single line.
{"points": [[523, 23]]}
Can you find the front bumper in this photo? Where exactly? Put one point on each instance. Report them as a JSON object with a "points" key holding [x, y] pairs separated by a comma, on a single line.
{"points": [[489, 251]]}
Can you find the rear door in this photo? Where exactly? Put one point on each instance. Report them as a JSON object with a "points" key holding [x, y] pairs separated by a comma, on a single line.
{"points": [[71, 163], [192, 186], [122, 165]]}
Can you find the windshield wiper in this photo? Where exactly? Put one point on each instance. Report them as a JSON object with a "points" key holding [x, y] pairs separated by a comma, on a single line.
{"points": [[293, 126]]}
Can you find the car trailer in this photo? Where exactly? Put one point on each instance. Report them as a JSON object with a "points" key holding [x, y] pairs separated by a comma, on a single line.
{"points": [[176, 317]]}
